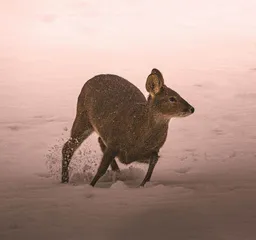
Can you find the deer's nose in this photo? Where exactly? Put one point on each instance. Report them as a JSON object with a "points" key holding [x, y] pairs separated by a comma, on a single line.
{"points": [[192, 110]]}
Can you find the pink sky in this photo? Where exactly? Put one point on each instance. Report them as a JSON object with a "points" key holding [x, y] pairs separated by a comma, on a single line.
{"points": [[178, 34], [115, 24]]}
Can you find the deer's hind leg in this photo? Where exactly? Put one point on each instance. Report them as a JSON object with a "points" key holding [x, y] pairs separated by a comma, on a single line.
{"points": [[81, 130]]}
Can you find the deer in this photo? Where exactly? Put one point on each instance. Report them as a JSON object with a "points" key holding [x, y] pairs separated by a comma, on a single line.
{"points": [[130, 127]]}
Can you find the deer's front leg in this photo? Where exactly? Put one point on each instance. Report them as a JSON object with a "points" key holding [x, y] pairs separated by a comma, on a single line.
{"points": [[152, 163], [108, 156]]}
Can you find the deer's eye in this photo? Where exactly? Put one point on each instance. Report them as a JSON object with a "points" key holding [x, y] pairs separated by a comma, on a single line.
{"points": [[173, 99]]}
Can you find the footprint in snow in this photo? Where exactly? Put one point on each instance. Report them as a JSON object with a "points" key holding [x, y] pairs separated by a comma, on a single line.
{"points": [[182, 170]]}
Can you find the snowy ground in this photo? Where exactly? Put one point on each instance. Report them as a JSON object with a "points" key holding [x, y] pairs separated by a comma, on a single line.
{"points": [[204, 186]]}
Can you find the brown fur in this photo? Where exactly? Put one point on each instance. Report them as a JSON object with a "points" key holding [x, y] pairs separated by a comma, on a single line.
{"points": [[130, 127]]}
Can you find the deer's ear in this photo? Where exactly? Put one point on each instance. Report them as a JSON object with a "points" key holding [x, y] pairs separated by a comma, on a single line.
{"points": [[158, 73], [155, 82]]}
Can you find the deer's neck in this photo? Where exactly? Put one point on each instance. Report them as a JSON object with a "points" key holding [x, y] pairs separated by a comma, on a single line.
{"points": [[155, 120]]}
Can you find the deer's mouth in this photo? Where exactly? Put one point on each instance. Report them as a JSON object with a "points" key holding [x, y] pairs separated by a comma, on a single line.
{"points": [[184, 114]]}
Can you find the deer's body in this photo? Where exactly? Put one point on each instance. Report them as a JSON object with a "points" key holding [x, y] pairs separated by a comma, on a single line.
{"points": [[132, 140], [129, 126]]}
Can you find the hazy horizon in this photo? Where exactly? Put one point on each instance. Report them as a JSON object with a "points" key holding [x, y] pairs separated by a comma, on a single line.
{"points": [[184, 33]]}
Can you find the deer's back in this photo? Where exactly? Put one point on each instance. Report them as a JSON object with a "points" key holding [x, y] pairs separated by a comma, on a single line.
{"points": [[111, 91]]}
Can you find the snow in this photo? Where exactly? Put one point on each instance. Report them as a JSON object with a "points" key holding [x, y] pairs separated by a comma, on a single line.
{"points": [[204, 186]]}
